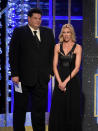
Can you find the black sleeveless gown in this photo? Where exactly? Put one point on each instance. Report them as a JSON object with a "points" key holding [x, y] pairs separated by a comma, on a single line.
{"points": [[65, 107]]}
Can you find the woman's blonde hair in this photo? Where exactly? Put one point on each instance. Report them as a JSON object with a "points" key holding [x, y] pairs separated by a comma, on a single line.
{"points": [[72, 32]]}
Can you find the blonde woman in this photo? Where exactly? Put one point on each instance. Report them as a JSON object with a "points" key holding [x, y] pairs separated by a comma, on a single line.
{"points": [[65, 108]]}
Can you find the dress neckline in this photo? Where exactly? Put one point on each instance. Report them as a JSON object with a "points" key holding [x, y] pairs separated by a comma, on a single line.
{"points": [[69, 51]]}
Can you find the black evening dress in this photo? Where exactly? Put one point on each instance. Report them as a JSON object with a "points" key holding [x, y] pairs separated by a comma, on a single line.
{"points": [[65, 107]]}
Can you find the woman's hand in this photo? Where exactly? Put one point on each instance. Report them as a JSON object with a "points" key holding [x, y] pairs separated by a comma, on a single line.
{"points": [[62, 86]]}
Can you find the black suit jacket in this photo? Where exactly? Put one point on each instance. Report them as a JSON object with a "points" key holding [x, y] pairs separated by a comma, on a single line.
{"points": [[29, 62]]}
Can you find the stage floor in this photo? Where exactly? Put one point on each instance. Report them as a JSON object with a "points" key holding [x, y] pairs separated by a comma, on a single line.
{"points": [[28, 128], [6, 122]]}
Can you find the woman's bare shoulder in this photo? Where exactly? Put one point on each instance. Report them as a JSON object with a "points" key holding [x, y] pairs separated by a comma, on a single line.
{"points": [[57, 46], [78, 47]]}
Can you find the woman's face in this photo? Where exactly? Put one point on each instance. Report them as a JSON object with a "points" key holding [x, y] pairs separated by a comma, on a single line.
{"points": [[67, 36]]}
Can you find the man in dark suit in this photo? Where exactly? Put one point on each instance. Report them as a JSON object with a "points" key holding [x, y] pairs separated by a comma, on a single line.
{"points": [[30, 57]]}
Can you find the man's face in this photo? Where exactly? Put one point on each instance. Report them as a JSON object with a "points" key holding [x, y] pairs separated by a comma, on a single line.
{"points": [[35, 20]]}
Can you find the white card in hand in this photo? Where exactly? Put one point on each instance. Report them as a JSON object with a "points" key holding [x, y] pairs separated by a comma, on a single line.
{"points": [[18, 87]]}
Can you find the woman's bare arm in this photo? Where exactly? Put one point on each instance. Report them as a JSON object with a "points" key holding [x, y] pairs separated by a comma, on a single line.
{"points": [[55, 62], [78, 52]]}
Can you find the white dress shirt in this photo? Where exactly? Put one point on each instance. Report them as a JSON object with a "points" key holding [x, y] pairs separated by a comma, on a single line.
{"points": [[38, 32]]}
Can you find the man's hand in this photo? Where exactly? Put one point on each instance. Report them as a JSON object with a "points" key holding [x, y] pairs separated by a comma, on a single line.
{"points": [[15, 79]]}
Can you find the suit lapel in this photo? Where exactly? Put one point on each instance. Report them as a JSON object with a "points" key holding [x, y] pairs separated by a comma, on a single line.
{"points": [[28, 30], [42, 36], [30, 35]]}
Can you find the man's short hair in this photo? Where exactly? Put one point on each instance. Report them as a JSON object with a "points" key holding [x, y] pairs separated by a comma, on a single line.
{"points": [[34, 10]]}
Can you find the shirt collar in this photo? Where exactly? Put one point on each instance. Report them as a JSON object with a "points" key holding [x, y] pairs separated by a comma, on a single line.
{"points": [[33, 29]]}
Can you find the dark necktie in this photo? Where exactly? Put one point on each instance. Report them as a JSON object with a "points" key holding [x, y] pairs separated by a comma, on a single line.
{"points": [[36, 38]]}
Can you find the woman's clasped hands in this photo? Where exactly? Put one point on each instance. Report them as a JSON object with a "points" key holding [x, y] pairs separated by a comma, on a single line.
{"points": [[62, 86]]}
